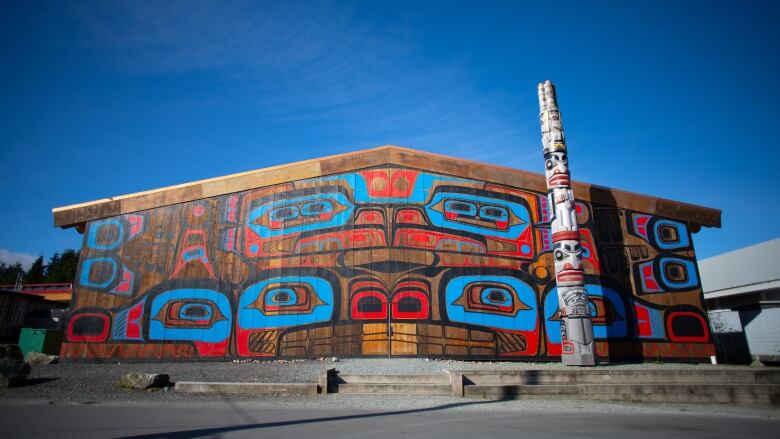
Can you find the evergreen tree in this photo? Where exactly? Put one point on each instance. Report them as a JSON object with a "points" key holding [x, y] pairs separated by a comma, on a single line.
{"points": [[62, 267], [37, 272], [9, 273]]}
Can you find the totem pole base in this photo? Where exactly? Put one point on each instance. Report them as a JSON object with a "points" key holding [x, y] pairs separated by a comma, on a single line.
{"points": [[578, 360]]}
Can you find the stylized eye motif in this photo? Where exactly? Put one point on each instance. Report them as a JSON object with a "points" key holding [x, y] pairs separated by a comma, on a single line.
{"points": [[549, 164], [495, 213], [317, 208], [98, 272], [667, 273], [196, 311], [286, 298], [496, 296], [456, 207], [368, 301], [299, 214], [284, 213], [668, 234], [190, 314], [410, 300], [106, 234], [676, 272], [662, 233], [495, 217], [89, 326], [285, 301], [492, 297], [495, 301]]}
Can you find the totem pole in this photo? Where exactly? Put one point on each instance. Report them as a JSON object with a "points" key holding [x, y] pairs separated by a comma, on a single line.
{"points": [[576, 329]]}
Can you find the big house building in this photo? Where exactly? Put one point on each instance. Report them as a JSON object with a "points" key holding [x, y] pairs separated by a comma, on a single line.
{"points": [[382, 252]]}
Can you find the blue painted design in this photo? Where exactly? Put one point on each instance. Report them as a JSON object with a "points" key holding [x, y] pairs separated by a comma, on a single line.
{"points": [[279, 209], [119, 325], [94, 229], [646, 288], [617, 328], [513, 232], [253, 318], [217, 332], [197, 254], [690, 269], [682, 235], [525, 249], [525, 320], [656, 321], [419, 194], [86, 268]]}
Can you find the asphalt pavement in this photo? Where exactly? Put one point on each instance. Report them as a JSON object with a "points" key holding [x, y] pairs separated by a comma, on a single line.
{"points": [[464, 419]]}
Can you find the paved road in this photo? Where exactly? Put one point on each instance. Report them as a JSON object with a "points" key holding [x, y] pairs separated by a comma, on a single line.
{"points": [[197, 419]]}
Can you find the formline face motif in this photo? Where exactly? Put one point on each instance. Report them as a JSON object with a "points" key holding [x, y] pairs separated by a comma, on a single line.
{"points": [[390, 260], [576, 331]]}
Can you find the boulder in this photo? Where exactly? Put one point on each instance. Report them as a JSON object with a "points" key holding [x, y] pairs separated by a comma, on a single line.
{"points": [[15, 371], [10, 351], [34, 358], [142, 381]]}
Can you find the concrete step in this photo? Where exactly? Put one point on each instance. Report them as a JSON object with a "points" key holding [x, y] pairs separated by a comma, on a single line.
{"points": [[394, 389], [618, 376], [713, 393], [247, 388], [441, 378]]}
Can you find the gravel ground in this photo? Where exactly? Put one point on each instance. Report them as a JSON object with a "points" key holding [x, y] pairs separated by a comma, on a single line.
{"points": [[96, 383]]}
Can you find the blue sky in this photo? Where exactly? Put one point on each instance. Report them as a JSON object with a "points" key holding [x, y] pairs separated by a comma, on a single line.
{"points": [[673, 99]]}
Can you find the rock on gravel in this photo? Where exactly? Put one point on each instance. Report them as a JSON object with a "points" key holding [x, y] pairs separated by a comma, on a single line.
{"points": [[143, 381], [35, 358], [10, 351], [12, 367]]}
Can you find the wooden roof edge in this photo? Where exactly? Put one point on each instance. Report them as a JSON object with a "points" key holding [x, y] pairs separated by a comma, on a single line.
{"points": [[78, 214]]}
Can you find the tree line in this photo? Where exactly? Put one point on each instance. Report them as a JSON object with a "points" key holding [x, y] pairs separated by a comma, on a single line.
{"points": [[61, 268]]}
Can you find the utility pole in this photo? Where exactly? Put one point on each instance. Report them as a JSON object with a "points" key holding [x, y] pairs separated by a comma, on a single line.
{"points": [[576, 328]]}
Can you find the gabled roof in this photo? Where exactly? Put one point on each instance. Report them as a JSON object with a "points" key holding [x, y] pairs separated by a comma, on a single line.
{"points": [[78, 214]]}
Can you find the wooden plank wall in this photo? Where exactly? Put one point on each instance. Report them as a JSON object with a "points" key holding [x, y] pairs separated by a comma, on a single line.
{"points": [[388, 260]]}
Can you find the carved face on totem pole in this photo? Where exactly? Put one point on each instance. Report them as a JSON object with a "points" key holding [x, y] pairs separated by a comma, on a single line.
{"points": [[556, 169], [575, 299], [568, 259]]}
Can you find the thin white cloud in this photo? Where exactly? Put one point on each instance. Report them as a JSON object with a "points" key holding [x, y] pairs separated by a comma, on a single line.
{"points": [[9, 257], [319, 64]]}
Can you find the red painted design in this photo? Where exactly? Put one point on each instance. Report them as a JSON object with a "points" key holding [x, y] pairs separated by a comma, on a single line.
{"points": [[96, 338]]}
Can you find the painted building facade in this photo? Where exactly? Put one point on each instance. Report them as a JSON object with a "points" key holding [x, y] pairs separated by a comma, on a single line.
{"points": [[383, 252]]}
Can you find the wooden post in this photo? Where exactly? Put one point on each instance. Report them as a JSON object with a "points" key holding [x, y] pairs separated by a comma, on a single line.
{"points": [[576, 328]]}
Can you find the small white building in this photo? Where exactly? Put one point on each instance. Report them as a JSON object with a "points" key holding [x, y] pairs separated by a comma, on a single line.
{"points": [[742, 294]]}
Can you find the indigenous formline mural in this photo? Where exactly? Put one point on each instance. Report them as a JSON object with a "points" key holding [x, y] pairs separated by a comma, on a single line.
{"points": [[381, 261]]}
